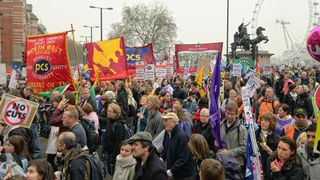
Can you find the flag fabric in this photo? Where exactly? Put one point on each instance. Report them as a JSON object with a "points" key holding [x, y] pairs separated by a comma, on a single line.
{"points": [[215, 116], [258, 65], [61, 89], [139, 54], [253, 167], [199, 79], [107, 60], [48, 62], [93, 94]]}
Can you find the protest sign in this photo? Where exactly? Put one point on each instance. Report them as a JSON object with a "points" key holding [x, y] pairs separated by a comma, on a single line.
{"points": [[160, 70], [267, 70], [252, 84], [139, 54], [246, 105], [149, 72], [17, 111], [3, 77], [186, 73], [169, 69], [236, 70], [205, 63], [140, 71]]}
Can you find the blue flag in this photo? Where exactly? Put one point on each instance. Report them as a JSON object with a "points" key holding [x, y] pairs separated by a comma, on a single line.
{"points": [[215, 116], [252, 157]]}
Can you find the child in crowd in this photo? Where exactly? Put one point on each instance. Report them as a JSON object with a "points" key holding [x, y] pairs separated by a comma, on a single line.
{"points": [[125, 164]]}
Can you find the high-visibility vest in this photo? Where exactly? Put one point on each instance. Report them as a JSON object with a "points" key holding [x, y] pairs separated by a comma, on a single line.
{"points": [[289, 130]]}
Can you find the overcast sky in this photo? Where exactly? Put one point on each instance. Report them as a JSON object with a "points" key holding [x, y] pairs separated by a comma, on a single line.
{"points": [[198, 21]]}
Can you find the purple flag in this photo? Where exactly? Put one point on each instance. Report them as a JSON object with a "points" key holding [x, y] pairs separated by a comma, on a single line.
{"points": [[214, 106]]}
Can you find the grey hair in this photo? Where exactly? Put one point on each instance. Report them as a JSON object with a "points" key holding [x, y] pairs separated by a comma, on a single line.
{"points": [[69, 139]]}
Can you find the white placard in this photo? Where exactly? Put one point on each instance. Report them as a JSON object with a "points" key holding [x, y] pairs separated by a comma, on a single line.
{"points": [[140, 71], [252, 84], [149, 72], [186, 73], [169, 69], [246, 104], [160, 70], [3, 74], [236, 70]]}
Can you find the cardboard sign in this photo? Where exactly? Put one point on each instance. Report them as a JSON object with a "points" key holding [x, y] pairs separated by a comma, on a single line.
{"points": [[140, 71], [160, 70], [17, 111], [169, 69], [236, 70], [149, 72], [3, 77], [252, 84]]}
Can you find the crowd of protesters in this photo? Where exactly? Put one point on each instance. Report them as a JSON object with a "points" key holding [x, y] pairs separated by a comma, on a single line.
{"points": [[132, 130]]}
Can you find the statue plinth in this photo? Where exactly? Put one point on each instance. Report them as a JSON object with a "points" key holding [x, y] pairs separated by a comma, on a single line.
{"points": [[265, 56]]}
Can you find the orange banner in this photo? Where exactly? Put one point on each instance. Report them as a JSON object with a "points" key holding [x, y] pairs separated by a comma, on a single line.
{"points": [[48, 64], [107, 60]]}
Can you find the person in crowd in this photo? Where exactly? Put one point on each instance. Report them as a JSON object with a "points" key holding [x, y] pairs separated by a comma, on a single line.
{"points": [[285, 163], [178, 92], [267, 139], [291, 98], [203, 127], [304, 78], [211, 169], [132, 113], [149, 166], [68, 99], [190, 104], [302, 139], [299, 125], [227, 88], [91, 116], [166, 103], [102, 114], [142, 114], [85, 98], [193, 90], [74, 166], [51, 149], [180, 163], [185, 122], [232, 97], [115, 134], [135, 89], [304, 101], [233, 134], [240, 83], [283, 118], [287, 83], [154, 120], [166, 87], [70, 119], [200, 150], [267, 103], [310, 160], [28, 94], [40, 170], [122, 98], [312, 85], [125, 164], [203, 103]]}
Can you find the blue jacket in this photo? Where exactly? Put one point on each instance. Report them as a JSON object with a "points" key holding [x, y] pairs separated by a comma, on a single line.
{"points": [[177, 154]]}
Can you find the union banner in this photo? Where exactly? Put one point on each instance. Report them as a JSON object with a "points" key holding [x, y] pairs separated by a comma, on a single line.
{"points": [[107, 60], [48, 64], [139, 54]]}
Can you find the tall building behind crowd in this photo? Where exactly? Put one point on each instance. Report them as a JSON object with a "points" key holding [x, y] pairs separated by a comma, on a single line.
{"points": [[17, 21]]}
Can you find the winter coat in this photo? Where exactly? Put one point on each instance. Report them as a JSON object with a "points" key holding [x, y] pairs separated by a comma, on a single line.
{"points": [[177, 154], [152, 169], [103, 119], [235, 138], [93, 117], [291, 170], [122, 100], [56, 120], [179, 94], [304, 101], [124, 169], [115, 133], [310, 168], [272, 141], [289, 100], [205, 131], [155, 123]]}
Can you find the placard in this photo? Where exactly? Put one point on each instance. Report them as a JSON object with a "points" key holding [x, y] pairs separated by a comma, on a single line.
{"points": [[3, 77], [140, 71], [17, 111], [252, 84], [236, 70], [169, 69], [267, 70], [149, 72], [205, 63], [160, 70], [186, 73]]}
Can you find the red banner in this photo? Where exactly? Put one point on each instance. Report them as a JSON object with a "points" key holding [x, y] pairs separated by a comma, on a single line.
{"points": [[187, 55], [48, 64], [107, 60]]}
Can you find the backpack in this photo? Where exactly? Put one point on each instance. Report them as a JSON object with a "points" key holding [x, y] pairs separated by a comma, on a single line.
{"points": [[231, 166], [93, 167], [127, 131], [93, 138]]}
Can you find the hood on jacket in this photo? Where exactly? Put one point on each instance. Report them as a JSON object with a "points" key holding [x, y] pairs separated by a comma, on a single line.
{"points": [[124, 162]]}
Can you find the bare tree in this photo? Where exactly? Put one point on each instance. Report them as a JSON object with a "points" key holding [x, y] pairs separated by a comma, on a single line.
{"points": [[142, 24]]}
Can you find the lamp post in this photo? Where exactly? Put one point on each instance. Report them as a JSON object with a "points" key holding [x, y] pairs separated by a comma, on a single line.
{"points": [[101, 8], [91, 29], [227, 33]]}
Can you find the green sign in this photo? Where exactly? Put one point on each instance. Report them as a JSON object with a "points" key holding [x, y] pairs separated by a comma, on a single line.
{"points": [[246, 62]]}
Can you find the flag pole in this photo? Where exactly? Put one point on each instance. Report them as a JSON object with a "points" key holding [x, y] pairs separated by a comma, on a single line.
{"points": [[77, 62]]}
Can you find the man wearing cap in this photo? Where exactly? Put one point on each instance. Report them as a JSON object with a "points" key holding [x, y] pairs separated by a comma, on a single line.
{"points": [[300, 124], [149, 166], [180, 163]]}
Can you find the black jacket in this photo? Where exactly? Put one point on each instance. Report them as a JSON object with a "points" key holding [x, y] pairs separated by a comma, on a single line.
{"points": [[205, 131], [122, 99], [272, 142], [291, 170], [180, 94], [288, 99], [115, 134], [153, 169], [177, 154], [304, 101]]}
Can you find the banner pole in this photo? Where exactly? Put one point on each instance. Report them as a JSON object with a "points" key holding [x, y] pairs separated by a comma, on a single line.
{"points": [[77, 63]]}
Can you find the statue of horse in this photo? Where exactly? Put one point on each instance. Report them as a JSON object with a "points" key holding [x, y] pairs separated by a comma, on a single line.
{"points": [[260, 36]]}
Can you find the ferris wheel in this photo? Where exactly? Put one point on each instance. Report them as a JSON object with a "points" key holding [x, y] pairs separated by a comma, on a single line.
{"points": [[293, 19]]}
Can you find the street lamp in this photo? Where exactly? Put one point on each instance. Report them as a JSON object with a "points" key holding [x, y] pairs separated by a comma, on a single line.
{"points": [[91, 29], [85, 38], [101, 8]]}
